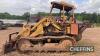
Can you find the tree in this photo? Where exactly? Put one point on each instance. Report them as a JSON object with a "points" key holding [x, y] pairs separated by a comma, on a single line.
{"points": [[26, 15]]}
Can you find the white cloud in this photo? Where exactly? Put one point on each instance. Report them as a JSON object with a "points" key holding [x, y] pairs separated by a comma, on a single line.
{"points": [[90, 6], [20, 6]]}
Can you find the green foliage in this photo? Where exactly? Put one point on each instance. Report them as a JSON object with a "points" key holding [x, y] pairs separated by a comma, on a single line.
{"points": [[91, 17], [9, 16]]}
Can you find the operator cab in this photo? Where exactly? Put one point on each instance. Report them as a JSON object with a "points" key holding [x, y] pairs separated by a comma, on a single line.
{"points": [[67, 19], [66, 12]]}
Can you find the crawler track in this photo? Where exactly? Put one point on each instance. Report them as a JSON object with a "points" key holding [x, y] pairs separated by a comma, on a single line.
{"points": [[25, 46]]}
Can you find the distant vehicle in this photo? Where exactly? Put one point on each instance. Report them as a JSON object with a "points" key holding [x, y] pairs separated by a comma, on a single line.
{"points": [[2, 25]]}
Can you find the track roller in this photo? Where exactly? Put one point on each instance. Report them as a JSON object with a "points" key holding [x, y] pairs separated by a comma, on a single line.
{"points": [[24, 45]]}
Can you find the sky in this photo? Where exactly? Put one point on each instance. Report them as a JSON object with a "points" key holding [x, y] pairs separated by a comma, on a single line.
{"points": [[19, 7]]}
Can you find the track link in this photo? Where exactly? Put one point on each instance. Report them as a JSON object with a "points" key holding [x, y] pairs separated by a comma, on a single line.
{"points": [[62, 46]]}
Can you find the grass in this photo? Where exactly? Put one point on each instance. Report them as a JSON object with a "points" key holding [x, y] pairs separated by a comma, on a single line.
{"points": [[96, 25]]}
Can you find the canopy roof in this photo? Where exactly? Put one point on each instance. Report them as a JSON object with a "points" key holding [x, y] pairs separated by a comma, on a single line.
{"points": [[59, 5]]}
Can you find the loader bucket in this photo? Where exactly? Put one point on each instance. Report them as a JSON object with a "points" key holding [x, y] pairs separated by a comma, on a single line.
{"points": [[8, 47]]}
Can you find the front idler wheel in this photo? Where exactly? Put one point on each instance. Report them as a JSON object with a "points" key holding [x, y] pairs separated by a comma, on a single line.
{"points": [[24, 46]]}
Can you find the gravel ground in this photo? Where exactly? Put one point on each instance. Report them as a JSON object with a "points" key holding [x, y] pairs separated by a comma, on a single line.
{"points": [[91, 37]]}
